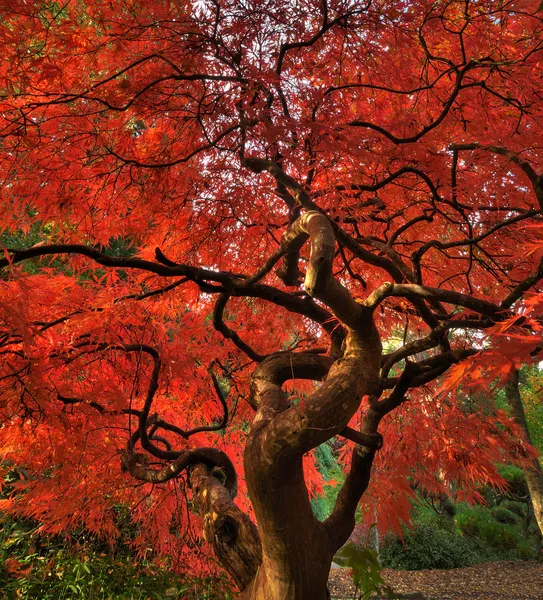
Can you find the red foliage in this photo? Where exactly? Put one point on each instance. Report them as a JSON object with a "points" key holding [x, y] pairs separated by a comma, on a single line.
{"points": [[122, 126]]}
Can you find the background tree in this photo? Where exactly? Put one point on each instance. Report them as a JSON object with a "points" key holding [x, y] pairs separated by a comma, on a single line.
{"points": [[534, 474], [386, 155]]}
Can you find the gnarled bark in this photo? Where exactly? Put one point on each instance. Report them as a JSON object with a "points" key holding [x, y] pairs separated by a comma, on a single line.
{"points": [[232, 534], [297, 549]]}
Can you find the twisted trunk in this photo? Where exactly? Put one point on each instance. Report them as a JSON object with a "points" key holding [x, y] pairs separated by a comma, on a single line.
{"points": [[296, 555], [297, 549]]}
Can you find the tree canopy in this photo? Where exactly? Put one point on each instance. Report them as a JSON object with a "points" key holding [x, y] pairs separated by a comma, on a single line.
{"points": [[209, 207]]}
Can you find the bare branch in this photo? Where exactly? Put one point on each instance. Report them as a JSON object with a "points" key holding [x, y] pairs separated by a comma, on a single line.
{"points": [[137, 466], [449, 296]]}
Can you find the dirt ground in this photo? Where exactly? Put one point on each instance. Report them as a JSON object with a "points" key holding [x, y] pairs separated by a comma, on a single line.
{"points": [[489, 581]]}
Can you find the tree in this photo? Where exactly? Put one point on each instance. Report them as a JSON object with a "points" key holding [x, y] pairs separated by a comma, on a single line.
{"points": [[387, 155], [534, 474]]}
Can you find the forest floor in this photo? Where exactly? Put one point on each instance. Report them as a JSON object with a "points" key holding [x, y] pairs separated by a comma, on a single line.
{"points": [[488, 581]]}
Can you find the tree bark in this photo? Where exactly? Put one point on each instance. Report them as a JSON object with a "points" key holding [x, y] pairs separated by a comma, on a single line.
{"points": [[297, 549], [232, 534], [534, 475], [290, 554]]}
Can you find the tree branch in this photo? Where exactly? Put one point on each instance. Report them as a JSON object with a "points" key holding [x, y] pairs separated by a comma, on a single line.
{"points": [[449, 296], [535, 178]]}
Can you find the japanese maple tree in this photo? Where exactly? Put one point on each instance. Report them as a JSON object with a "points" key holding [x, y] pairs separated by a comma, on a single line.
{"points": [[215, 215]]}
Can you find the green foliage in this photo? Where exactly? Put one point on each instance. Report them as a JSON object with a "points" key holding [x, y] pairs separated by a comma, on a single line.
{"points": [[504, 515], [37, 568], [120, 247], [17, 240], [479, 522], [366, 570], [534, 418], [499, 529], [46, 233], [331, 471], [459, 535], [516, 480], [427, 547], [475, 534], [514, 506]]}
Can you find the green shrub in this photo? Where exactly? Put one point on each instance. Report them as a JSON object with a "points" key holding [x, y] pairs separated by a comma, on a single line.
{"points": [[516, 480], [504, 515], [480, 522], [425, 513], [526, 549], [506, 540], [499, 531], [33, 567], [427, 547], [519, 508]]}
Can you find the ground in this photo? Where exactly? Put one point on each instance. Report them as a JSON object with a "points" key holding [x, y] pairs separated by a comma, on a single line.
{"points": [[489, 581]]}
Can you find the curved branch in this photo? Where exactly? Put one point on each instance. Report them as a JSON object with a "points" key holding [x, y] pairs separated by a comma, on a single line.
{"points": [[230, 334], [535, 179], [68, 400], [342, 520], [429, 369], [448, 296], [137, 466], [153, 422], [229, 283], [267, 397], [418, 254], [195, 274], [361, 187], [290, 431], [179, 76], [396, 268], [523, 286], [232, 534], [326, 25], [177, 161], [158, 423], [319, 282], [417, 136], [259, 165]]}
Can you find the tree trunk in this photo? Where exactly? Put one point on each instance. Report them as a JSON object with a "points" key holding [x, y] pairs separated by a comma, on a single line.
{"points": [[297, 549], [534, 475], [296, 552]]}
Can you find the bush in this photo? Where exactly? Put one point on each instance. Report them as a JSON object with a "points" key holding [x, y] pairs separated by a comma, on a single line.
{"points": [[480, 522], [427, 547], [515, 479], [46, 568], [504, 515], [519, 508], [426, 514], [503, 540], [477, 534]]}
